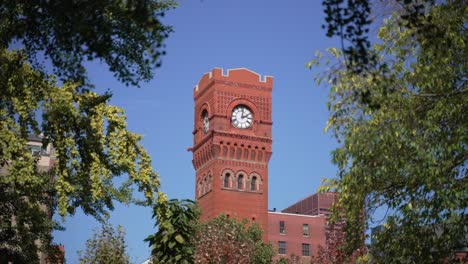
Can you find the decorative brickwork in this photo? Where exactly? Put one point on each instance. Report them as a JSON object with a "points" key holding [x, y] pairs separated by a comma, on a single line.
{"points": [[235, 158]]}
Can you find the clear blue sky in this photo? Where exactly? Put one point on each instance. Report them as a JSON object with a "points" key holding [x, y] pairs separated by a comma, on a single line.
{"points": [[269, 37]]}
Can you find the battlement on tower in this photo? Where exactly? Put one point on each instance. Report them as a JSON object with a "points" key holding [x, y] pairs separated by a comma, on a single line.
{"points": [[241, 77]]}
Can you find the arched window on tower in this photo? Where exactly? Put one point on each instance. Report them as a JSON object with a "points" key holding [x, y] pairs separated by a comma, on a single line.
{"points": [[210, 182], [226, 179], [205, 186], [253, 183], [199, 188], [240, 182]]}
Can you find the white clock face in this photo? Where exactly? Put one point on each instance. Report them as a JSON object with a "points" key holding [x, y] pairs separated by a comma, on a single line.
{"points": [[206, 122], [241, 117]]}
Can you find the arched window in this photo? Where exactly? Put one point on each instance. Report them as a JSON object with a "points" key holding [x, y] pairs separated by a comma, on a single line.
{"points": [[210, 182], [253, 183], [204, 185], [226, 179], [199, 188], [240, 182]]}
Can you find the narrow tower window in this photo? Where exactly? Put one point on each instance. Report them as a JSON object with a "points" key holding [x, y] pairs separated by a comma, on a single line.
{"points": [[210, 182], [253, 183], [204, 185], [226, 180], [240, 182], [199, 188], [206, 121]]}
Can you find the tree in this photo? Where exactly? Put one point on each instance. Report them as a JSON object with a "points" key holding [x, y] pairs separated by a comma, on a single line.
{"points": [[350, 21], [226, 240], [334, 250], [181, 238], [402, 130], [90, 154], [91, 139], [106, 247], [127, 35], [292, 259], [31, 221], [177, 222]]}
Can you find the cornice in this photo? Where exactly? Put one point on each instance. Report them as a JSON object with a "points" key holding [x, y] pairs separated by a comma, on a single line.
{"points": [[243, 85], [244, 137], [213, 133], [205, 139], [231, 83]]}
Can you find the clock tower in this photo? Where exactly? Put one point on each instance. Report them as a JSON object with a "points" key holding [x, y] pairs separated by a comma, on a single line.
{"points": [[232, 144]]}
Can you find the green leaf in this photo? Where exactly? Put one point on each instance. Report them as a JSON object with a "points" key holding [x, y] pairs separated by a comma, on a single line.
{"points": [[179, 239]]}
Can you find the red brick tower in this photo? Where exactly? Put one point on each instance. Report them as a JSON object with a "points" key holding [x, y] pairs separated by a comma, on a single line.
{"points": [[232, 144]]}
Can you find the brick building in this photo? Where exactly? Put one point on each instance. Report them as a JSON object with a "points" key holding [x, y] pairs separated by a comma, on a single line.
{"points": [[295, 234], [231, 150], [302, 226]]}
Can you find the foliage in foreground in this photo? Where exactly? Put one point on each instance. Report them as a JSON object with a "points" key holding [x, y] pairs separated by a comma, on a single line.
{"points": [[334, 250], [182, 239], [91, 140], [403, 134], [107, 246], [126, 35], [92, 145], [226, 240], [176, 222]]}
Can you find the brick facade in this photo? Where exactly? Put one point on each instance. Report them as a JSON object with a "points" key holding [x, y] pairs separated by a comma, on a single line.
{"points": [[223, 151], [231, 163], [294, 233]]}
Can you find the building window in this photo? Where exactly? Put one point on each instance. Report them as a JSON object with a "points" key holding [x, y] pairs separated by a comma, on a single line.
{"points": [[305, 229], [282, 247], [253, 183], [226, 180], [240, 182], [36, 150], [282, 227], [305, 249], [205, 185], [199, 188]]}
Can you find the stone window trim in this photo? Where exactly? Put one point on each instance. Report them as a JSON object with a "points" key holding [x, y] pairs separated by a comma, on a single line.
{"points": [[254, 178], [205, 107], [205, 184], [210, 182], [227, 177], [200, 188], [230, 181], [240, 180]]}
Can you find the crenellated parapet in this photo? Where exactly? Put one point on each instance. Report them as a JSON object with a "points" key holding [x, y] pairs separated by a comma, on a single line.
{"points": [[239, 77]]}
